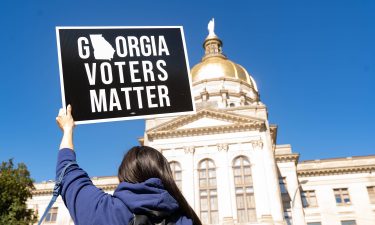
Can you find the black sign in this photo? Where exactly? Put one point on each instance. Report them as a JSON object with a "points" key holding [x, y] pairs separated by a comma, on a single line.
{"points": [[119, 73]]}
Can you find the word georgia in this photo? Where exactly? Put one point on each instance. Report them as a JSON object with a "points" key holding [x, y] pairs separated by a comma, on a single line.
{"points": [[130, 46]]}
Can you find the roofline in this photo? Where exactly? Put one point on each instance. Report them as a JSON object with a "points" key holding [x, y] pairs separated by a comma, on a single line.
{"points": [[337, 159]]}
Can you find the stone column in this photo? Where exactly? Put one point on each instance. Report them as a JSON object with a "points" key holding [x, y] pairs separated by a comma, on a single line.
{"points": [[188, 179], [223, 185], [261, 195], [298, 215], [273, 186]]}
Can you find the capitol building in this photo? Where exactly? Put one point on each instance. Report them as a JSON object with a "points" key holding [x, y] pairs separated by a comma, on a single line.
{"points": [[230, 167]]}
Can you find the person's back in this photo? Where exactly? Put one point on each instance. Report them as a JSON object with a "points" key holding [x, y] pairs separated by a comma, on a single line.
{"points": [[146, 188]]}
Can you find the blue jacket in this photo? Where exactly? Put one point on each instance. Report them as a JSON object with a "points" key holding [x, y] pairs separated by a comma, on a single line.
{"points": [[89, 205]]}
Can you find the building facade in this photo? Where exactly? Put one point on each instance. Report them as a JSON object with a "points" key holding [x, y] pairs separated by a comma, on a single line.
{"points": [[226, 161]]}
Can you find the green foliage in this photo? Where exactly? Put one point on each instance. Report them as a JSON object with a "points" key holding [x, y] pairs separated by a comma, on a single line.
{"points": [[15, 188]]}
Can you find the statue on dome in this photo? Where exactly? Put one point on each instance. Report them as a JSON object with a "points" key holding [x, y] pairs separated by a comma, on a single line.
{"points": [[211, 27]]}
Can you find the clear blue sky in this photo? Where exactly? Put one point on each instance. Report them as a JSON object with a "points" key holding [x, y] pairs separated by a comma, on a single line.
{"points": [[313, 61]]}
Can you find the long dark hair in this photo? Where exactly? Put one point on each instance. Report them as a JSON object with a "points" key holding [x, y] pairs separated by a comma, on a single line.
{"points": [[141, 163]]}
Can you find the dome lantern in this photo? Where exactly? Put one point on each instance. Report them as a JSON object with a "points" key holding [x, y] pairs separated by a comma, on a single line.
{"points": [[215, 65], [212, 45]]}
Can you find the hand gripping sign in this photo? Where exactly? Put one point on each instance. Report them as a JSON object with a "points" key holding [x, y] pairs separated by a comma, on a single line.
{"points": [[120, 73]]}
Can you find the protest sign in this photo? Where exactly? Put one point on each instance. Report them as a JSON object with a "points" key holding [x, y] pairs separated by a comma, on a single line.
{"points": [[120, 73]]}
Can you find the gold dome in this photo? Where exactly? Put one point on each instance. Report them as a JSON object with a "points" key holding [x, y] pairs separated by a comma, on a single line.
{"points": [[215, 64], [218, 67]]}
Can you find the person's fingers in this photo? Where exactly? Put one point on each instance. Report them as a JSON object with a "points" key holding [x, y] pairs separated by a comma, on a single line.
{"points": [[69, 110], [61, 112]]}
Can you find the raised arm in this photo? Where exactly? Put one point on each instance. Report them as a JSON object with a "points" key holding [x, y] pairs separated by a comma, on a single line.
{"points": [[66, 123], [86, 203]]}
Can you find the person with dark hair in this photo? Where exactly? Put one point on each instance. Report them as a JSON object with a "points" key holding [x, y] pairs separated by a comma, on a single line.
{"points": [[146, 194]]}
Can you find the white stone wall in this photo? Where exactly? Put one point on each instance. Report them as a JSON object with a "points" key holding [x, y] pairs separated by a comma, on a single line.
{"points": [[328, 212], [39, 202], [265, 179]]}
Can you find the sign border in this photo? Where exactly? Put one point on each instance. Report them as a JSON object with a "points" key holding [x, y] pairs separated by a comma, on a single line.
{"points": [[153, 116]]}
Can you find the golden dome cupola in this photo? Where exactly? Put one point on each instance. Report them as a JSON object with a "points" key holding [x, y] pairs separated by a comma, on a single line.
{"points": [[217, 75]]}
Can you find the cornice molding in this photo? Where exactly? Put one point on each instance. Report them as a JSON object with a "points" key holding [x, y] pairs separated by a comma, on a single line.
{"points": [[335, 171], [287, 158], [42, 192]]}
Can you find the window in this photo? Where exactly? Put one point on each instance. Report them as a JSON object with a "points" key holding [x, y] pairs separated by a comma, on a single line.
{"points": [[286, 202], [282, 183], [285, 197], [342, 196], [348, 222], [287, 209], [371, 194], [51, 215], [176, 172], [309, 199], [288, 218], [243, 183], [314, 223], [208, 192]]}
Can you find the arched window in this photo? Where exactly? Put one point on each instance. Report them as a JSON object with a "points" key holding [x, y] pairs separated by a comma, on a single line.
{"points": [[243, 183], [176, 171], [208, 192]]}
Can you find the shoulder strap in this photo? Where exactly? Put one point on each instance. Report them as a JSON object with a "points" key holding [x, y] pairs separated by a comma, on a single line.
{"points": [[140, 220], [56, 190], [163, 218]]}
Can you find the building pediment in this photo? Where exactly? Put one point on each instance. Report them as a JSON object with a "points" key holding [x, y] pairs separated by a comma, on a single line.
{"points": [[205, 121]]}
